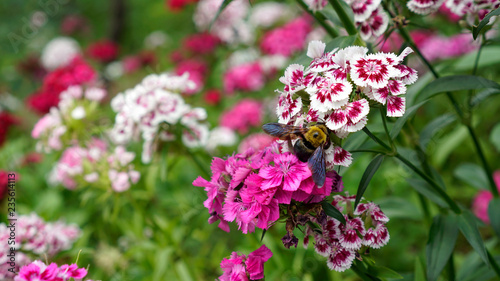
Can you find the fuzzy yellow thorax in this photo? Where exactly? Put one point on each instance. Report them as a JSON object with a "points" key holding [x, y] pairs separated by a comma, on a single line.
{"points": [[316, 136]]}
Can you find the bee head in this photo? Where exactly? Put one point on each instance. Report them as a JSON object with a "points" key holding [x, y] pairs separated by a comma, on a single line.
{"points": [[316, 136]]}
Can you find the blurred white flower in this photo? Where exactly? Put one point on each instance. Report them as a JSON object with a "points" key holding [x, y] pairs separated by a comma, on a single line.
{"points": [[59, 52]]}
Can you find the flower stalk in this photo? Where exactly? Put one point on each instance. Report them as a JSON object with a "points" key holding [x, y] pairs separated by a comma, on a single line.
{"points": [[320, 18]]}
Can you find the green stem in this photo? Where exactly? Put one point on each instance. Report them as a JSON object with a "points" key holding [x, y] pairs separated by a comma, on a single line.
{"points": [[344, 18], [384, 121], [453, 206], [425, 208], [450, 268], [377, 140], [493, 263], [320, 18], [465, 121], [198, 163]]}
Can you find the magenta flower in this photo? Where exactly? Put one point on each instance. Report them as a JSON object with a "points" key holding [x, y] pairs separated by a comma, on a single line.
{"points": [[483, 199], [245, 114], [287, 170], [71, 271], [239, 267], [245, 77], [37, 271]]}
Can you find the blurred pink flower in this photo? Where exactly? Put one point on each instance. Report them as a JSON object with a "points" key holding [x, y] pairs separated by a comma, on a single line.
{"points": [[197, 70], [103, 51], [288, 39], [201, 43], [212, 97], [483, 198], [245, 114], [257, 141], [244, 77]]}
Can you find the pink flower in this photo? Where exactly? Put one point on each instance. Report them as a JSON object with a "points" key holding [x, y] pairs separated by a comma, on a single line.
{"points": [[483, 198], [197, 71], [424, 7], [245, 114], [374, 26], [288, 39], [257, 141], [212, 97], [37, 271], [239, 267], [371, 70], [103, 51], [245, 77], [71, 271], [287, 171], [201, 43]]}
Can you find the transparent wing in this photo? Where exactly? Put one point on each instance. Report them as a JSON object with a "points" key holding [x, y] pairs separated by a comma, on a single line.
{"points": [[317, 165]]}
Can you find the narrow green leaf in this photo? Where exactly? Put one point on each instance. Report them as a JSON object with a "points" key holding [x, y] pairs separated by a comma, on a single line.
{"points": [[468, 227], [419, 273], [219, 11], [402, 120], [455, 83], [340, 42], [331, 211], [485, 21], [472, 174], [435, 126], [484, 94], [495, 136], [489, 57], [494, 215], [423, 188], [383, 272], [442, 238], [367, 176]]}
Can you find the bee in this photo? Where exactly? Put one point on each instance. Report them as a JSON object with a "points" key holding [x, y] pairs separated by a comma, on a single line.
{"points": [[309, 147]]}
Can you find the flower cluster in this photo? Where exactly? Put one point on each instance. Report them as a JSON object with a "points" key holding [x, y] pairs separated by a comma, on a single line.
{"points": [[472, 10], [336, 84], [95, 166], [246, 113], [240, 267], [248, 187], [245, 77], [35, 236], [76, 109], [288, 39], [154, 110], [77, 72], [340, 243], [39, 271]]}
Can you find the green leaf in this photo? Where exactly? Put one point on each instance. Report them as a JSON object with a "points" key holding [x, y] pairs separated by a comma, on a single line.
{"points": [[340, 42], [468, 227], [219, 11], [485, 21], [331, 211], [383, 272], [399, 208], [472, 174], [401, 121], [367, 176], [435, 126], [484, 94], [423, 188], [494, 214], [442, 238], [456, 83], [495, 136], [489, 57], [419, 273]]}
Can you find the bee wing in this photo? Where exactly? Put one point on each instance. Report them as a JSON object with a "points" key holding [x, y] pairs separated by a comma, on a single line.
{"points": [[282, 131], [317, 166]]}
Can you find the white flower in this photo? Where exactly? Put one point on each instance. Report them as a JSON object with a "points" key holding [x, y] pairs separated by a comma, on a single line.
{"points": [[78, 113], [59, 52]]}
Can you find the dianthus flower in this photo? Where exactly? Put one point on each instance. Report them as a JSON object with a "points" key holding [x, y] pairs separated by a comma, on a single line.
{"points": [[103, 51], [77, 72], [257, 141], [35, 237], [482, 200], [197, 71], [248, 187], [153, 109], [239, 267], [288, 39], [60, 126], [201, 43], [335, 82], [245, 114], [96, 166], [59, 52], [341, 243], [245, 77], [39, 271]]}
